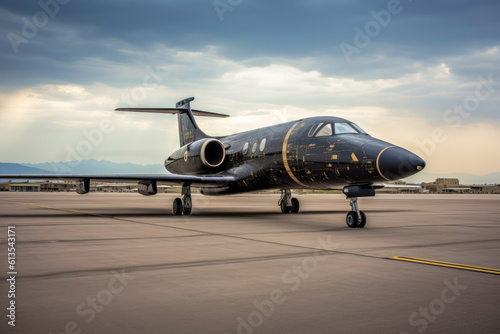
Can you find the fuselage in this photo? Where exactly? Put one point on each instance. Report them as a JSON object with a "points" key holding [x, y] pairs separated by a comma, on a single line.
{"points": [[312, 153]]}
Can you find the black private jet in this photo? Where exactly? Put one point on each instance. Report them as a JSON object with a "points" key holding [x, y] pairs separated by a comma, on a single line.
{"points": [[311, 153]]}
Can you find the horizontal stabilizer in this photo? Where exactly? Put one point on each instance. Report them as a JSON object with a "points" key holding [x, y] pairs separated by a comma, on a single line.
{"points": [[173, 111]]}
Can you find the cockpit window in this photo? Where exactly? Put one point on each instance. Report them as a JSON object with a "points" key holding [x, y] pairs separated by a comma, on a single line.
{"points": [[325, 131], [343, 128], [358, 129], [314, 128], [329, 129]]}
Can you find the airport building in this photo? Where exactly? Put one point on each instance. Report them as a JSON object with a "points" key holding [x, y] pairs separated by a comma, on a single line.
{"points": [[401, 187], [448, 185], [440, 186], [71, 186], [38, 186], [114, 187], [23, 187], [444, 185], [486, 189], [126, 188]]}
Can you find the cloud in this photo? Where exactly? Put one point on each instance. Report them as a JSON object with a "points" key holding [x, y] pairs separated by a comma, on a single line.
{"points": [[255, 96], [298, 30], [267, 62]]}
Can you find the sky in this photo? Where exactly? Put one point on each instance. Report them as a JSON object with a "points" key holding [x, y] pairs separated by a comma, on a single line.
{"points": [[424, 75]]}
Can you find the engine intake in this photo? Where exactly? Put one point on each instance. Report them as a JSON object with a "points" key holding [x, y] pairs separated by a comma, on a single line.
{"points": [[201, 156], [212, 153]]}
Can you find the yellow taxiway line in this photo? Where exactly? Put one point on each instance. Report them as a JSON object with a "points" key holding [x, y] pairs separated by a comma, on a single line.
{"points": [[398, 258], [447, 264]]}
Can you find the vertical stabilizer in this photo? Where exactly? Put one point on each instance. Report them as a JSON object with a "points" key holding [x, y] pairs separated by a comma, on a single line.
{"points": [[188, 129]]}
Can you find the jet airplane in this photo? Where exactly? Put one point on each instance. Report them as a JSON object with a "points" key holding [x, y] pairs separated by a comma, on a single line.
{"points": [[310, 153]]}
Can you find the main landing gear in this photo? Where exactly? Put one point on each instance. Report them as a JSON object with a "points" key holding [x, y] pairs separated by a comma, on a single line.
{"points": [[287, 203], [183, 206], [355, 217]]}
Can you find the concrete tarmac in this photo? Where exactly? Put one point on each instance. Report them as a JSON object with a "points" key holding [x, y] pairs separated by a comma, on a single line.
{"points": [[122, 263]]}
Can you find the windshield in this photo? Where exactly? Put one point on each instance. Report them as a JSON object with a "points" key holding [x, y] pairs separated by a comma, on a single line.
{"points": [[325, 131], [343, 128], [329, 129], [358, 128], [314, 128]]}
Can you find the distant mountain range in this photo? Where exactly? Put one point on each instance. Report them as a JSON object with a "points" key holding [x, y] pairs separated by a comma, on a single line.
{"points": [[10, 168], [93, 166]]}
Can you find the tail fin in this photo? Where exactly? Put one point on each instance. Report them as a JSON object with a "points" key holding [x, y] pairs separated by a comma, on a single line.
{"points": [[188, 129]]}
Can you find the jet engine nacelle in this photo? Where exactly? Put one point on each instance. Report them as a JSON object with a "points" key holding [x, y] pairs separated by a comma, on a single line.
{"points": [[147, 188], [201, 156]]}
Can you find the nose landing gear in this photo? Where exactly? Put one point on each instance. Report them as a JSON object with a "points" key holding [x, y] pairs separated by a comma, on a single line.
{"points": [[355, 217]]}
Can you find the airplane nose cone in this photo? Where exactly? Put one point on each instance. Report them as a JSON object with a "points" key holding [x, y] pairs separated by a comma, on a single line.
{"points": [[394, 163]]}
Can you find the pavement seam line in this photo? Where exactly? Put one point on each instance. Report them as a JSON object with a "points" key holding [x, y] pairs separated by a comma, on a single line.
{"points": [[399, 258], [207, 232]]}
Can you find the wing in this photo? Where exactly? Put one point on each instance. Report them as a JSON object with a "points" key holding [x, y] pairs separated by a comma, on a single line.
{"points": [[167, 179]]}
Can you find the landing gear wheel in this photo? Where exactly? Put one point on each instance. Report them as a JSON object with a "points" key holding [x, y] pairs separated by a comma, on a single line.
{"points": [[295, 205], [284, 208], [363, 220], [177, 207], [352, 219]]}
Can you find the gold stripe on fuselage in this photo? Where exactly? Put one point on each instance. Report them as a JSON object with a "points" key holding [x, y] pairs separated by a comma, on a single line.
{"points": [[378, 167], [285, 159]]}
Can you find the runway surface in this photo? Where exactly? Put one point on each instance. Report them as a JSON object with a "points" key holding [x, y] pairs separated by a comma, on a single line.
{"points": [[121, 263]]}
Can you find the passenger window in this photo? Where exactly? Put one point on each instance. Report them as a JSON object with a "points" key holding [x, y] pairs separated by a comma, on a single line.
{"points": [[325, 131], [254, 147], [262, 145], [343, 128]]}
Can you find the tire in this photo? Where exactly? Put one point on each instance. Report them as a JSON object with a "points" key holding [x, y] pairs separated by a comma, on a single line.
{"points": [[295, 205], [363, 220], [352, 219], [177, 207], [284, 208]]}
